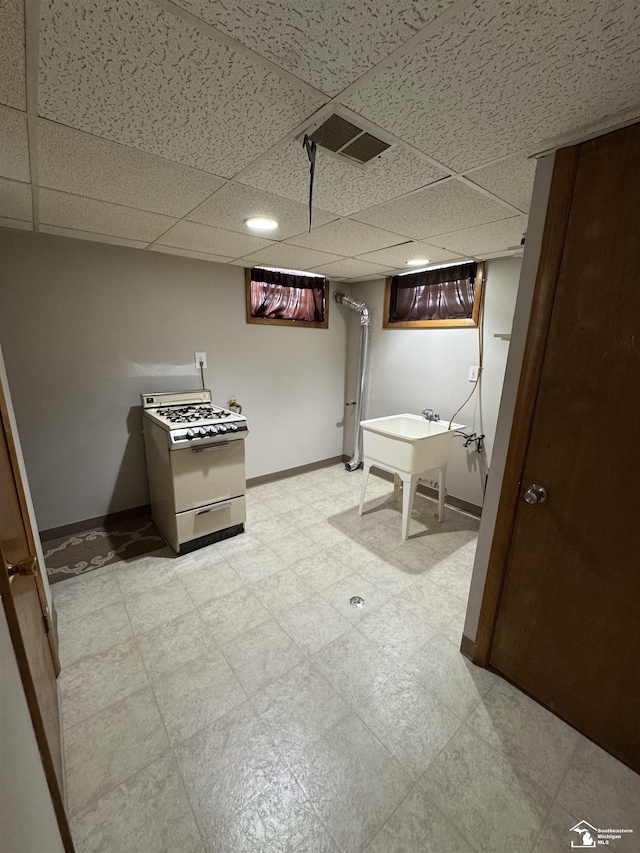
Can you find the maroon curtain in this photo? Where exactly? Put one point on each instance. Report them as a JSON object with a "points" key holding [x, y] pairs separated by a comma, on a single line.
{"points": [[443, 294], [286, 296]]}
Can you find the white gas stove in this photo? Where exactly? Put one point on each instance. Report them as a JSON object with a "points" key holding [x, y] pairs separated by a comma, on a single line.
{"points": [[195, 460], [190, 418]]}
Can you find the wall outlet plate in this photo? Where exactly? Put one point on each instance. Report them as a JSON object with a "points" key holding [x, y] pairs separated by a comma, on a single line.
{"points": [[200, 357], [474, 372]]}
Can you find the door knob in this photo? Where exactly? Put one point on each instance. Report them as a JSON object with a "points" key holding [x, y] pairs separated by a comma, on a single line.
{"points": [[535, 494], [26, 568]]}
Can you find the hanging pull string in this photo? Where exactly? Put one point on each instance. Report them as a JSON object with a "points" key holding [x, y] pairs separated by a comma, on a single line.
{"points": [[310, 148]]}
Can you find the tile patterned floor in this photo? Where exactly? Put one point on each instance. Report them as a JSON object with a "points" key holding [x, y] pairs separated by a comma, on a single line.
{"points": [[232, 701]]}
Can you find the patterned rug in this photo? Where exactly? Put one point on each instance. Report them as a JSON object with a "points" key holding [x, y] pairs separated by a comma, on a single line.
{"points": [[82, 552]]}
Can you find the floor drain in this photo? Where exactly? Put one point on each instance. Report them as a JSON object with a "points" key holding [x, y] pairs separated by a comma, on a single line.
{"points": [[356, 601]]}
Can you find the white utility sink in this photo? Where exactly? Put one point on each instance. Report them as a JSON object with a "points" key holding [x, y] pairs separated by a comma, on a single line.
{"points": [[408, 446]]}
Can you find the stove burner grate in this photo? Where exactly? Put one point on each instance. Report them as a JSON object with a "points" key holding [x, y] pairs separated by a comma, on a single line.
{"points": [[189, 414]]}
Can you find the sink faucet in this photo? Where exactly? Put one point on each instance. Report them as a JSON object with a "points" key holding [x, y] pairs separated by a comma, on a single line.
{"points": [[429, 415]]}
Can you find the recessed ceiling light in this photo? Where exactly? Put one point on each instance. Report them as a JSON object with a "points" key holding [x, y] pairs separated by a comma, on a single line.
{"points": [[261, 223], [417, 262]]}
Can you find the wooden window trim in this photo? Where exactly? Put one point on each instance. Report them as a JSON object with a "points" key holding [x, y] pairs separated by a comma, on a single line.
{"points": [[471, 322], [300, 324]]}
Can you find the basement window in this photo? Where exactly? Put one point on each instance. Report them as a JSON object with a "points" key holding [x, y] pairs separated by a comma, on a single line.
{"points": [[286, 298], [446, 297]]}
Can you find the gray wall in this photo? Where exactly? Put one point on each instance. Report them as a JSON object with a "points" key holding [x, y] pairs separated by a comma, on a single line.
{"points": [[411, 369], [87, 327]]}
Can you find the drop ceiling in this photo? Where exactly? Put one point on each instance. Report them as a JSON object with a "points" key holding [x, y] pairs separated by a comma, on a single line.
{"points": [[164, 125]]}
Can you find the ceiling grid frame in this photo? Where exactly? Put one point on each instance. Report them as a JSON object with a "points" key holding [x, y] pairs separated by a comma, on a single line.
{"points": [[465, 176], [32, 52], [31, 61], [237, 46]]}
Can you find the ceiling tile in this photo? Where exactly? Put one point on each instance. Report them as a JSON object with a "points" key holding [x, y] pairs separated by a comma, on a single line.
{"points": [[83, 164], [234, 203], [346, 188], [340, 186], [349, 268], [15, 200], [511, 180], [188, 253], [23, 225], [213, 241], [327, 44], [345, 237], [289, 257], [438, 209], [14, 147], [504, 74], [89, 235], [100, 217], [285, 173], [132, 73], [396, 257], [12, 72], [482, 239]]}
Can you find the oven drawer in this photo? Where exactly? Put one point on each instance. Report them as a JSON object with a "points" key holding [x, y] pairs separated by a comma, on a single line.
{"points": [[209, 519], [204, 475]]}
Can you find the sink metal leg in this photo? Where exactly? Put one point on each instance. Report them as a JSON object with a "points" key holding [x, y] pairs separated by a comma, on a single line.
{"points": [[442, 476], [397, 487], [409, 485], [365, 478]]}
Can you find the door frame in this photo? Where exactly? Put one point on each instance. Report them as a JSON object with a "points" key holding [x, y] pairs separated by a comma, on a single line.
{"points": [[553, 238], [9, 426], [34, 712], [57, 795]]}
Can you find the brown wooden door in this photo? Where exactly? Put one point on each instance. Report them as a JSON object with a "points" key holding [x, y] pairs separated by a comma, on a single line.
{"points": [[567, 628], [28, 618]]}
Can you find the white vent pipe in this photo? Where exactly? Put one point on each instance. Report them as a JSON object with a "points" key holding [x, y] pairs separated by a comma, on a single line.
{"points": [[349, 302]]}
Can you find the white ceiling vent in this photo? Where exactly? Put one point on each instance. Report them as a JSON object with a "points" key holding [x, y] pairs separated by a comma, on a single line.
{"points": [[346, 139]]}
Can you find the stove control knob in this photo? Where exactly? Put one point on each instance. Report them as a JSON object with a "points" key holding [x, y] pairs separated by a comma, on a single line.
{"points": [[222, 428], [202, 431], [191, 433], [233, 427], [212, 430]]}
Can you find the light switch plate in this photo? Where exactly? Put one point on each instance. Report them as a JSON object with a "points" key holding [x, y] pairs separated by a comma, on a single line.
{"points": [[200, 357], [473, 374]]}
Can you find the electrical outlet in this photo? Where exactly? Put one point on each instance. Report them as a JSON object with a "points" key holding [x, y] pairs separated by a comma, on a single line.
{"points": [[474, 372], [200, 357]]}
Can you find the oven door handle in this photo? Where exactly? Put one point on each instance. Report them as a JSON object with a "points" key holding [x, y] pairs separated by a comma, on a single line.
{"points": [[223, 505], [221, 446]]}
